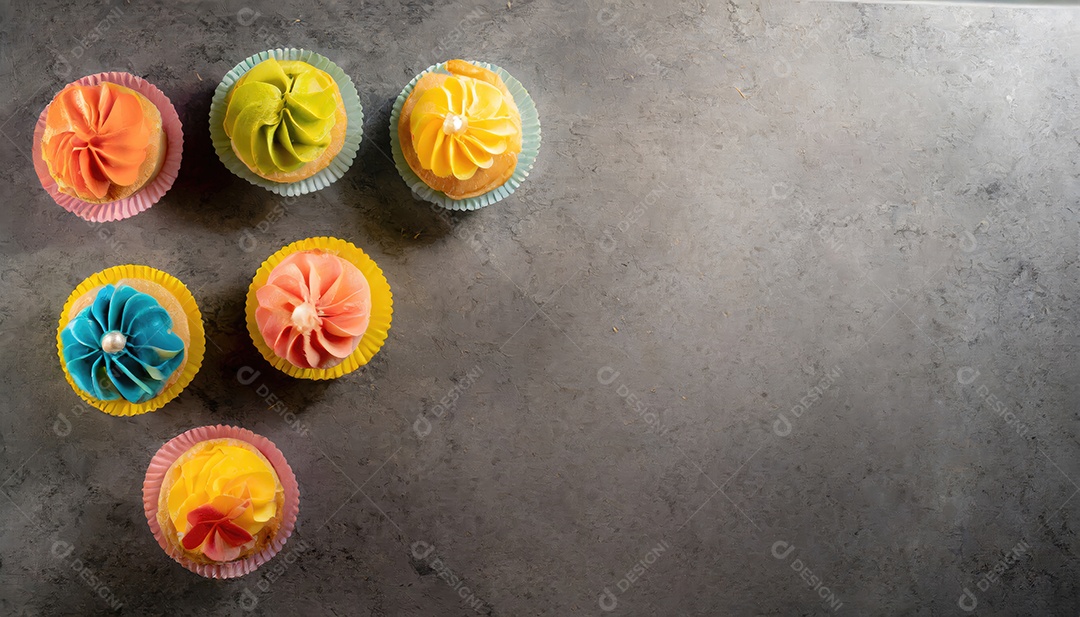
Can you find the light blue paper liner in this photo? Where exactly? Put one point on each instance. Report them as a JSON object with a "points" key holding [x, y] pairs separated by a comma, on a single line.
{"points": [[353, 134], [530, 145]]}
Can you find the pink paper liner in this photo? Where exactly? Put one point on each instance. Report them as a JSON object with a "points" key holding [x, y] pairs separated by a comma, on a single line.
{"points": [[152, 192], [172, 450]]}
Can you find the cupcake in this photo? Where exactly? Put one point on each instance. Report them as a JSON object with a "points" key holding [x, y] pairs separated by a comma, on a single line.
{"points": [[130, 339], [285, 120], [319, 308], [282, 120], [102, 142], [108, 146], [220, 500], [459, 130]]}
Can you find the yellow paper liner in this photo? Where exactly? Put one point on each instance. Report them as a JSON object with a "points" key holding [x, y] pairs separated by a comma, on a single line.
{"points": [[382, 308], [195, 350]]}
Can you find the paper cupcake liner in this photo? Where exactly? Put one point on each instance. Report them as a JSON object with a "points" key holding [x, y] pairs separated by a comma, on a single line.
{"points": [[149, 194], [382, 308], [172, 450], [195, 351], [353, 134], [530, 145]]}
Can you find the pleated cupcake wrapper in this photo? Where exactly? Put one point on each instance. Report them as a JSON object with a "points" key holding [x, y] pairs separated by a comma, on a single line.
{"points": [[195, 350], [149, 194], [530, 145], [176, 447], [338, 166], [382, 308]]}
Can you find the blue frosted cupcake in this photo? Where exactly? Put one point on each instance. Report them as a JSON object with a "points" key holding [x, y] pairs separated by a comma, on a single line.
{"points": [[130, 339]]}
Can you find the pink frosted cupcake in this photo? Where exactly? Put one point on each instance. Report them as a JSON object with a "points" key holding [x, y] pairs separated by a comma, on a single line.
{"points": [[319, 308], [220, 500], [313, 309]]}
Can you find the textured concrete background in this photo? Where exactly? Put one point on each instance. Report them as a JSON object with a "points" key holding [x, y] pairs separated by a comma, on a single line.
{"points": [[784, 321]]}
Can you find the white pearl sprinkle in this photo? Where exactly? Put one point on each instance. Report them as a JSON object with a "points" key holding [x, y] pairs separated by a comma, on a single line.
{"points": [[455, 124], [305, 317], [113, 342]]}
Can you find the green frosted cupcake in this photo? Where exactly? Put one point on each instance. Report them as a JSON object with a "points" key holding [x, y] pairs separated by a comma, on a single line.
{"points": [[287, 120]]}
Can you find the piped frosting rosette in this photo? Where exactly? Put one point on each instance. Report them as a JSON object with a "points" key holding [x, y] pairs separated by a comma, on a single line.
{"points": [[280, 110], [100, 139], [122, 346], [319, 308], [220, 500], [459, 128], [130, 339]]}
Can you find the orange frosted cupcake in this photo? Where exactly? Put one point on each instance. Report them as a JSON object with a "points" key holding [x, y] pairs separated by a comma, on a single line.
{"points": [[102, 142]]}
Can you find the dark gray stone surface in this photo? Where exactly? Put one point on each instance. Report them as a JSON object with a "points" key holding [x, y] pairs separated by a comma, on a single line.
{"points": [[734, 204]]}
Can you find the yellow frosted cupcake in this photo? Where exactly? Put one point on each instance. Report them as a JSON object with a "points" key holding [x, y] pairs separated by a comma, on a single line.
{"points": [[220, 500], [461, 132]]}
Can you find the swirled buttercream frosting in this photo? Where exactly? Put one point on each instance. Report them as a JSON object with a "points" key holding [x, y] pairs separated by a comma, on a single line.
{"points": [[280, 115], [221, 498], [459, 127], [99, 137], [122, 345], [314, 309]]}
